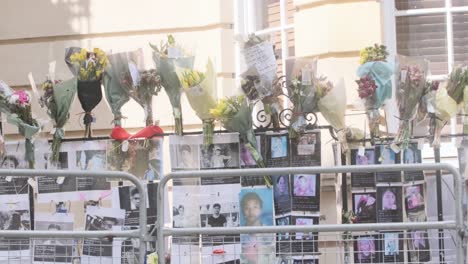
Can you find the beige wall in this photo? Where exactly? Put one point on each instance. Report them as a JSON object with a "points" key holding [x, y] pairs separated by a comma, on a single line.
{"points": [[40, 33]]}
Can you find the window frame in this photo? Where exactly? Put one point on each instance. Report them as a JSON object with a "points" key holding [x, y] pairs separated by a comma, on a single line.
{"points": [[390, 13]]}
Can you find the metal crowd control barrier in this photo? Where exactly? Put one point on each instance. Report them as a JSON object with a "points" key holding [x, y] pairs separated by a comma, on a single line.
{"points": [[456, 225], [140, 233]]}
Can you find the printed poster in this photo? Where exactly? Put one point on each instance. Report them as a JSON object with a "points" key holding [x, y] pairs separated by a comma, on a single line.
{"points": [[367, 249], [385, 155], [306, 150], [393, 250], [412, 155], [276, 149], [306, 192], [283, 200], [363, 179], [389, 204], [365, 207]]}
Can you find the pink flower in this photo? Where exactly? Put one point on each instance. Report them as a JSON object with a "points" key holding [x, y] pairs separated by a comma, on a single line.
{"points": [[367, 87], [21, 97]]}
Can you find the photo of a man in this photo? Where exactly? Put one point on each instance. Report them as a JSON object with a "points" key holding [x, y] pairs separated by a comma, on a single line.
{"points": [[186, 157], [279, 147], [217, 219], [306, 145], [134, 199], [256, 207]]}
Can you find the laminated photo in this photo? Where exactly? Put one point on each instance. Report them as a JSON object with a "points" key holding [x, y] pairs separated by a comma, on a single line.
{"points": [[418, 246], [412, 155], [15, 215], [393, 251], [129, 199], [102, 250], [363, 179], [141, 158], [257, 248], [247, 161], [414, 200], [385, 155], [305, 150], [305, 242], [256, 207], [219, 205], [389, 204], [186, 202], [222, 154], [305, 192], [53, 250], [282, 194], [365, 207], [366, 249], [185, 155], [283, 240], [13, 159], [276, 147]]}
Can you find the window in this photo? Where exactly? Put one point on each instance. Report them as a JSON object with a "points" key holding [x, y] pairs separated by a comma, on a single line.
{"points": [[434, 29], [268, 17]]}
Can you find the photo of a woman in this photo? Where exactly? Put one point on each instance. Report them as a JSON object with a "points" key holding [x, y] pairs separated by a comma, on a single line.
{"points": [[389, 200]]}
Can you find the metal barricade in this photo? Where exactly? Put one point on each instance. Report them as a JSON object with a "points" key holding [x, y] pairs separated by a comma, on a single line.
{"points": [[456, 226], [140, 233]]}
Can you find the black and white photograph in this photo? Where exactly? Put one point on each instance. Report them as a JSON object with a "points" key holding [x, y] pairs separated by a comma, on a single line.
{"points": [[13, 158], [305, 241], [392, 243], [384, 154], [185, 210], [155, 170], [185, 250], [276, 149], [54, 250], [418, 246], [365, 207], [414, 200], [129, 199], [130, 249], [366, 249], [47, 185], [257, 248], [363, 179], [412, 155], [305, 192], [185, 152], [282, 193], [389, 204], [283, 240], [15, 214], [101, 219], [305, 150], [219, 205]]}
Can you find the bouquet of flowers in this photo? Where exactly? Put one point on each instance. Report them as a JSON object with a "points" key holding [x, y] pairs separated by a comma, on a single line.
{"points": [[259, 81], [448, 100], [88, 67], [427, 102], [58, 97], [236, 116], [200, 89], [17, 106], [167, 57], [116, 93], [411, 85], [375, 85], [134, 82]]}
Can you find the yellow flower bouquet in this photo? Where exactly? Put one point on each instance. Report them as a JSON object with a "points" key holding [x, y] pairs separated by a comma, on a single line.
{"points": [[200, 89], [88, 67]]}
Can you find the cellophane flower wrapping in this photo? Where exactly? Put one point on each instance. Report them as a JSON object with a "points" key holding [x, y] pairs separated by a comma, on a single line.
{"points": [[58, 97], [375, 84], [200, 88], [235, 115], [167, 57], [411, 84], [427, 102], [301, 83], [88, 67], [332, 106], [137, 83], [260, 80], [456, 88], [444, 109], [17, 106]]}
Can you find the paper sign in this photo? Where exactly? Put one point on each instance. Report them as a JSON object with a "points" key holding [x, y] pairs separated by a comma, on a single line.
{"points": [[263, 58], [60, 180], [8, 178], [395, 148], [361, 151]]}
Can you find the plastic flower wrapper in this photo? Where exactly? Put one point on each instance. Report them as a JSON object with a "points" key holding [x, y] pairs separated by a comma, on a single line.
{"points": [[427, 100], [444, 109], [17, 106], [167, 57], [332, 106], [375, 84], [135, 82], [302, 91], [411, 85], [236, 116], [88, 67], [200, 89], [457, 89], [57, 97]]}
